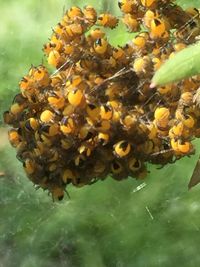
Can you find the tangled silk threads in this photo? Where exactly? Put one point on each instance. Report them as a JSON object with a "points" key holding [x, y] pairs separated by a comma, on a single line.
{"points": [[96, 115]]}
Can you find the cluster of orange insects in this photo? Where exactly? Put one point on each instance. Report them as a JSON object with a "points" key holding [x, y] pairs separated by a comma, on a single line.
{"points": [[96, 115]]}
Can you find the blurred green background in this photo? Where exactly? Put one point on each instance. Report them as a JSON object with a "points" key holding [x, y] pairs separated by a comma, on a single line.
{"points": [[108, 224]]}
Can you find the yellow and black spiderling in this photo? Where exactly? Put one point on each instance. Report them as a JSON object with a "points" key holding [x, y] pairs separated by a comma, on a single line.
{"points": [[107, 20], [96, 115]]}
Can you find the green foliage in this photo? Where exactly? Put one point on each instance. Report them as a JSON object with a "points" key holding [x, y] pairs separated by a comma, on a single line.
{"points": [[107, 224], [192, 3], [184, 64]]}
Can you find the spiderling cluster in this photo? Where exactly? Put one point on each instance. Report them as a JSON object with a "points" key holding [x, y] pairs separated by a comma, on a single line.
{"points": [[96, 115]]}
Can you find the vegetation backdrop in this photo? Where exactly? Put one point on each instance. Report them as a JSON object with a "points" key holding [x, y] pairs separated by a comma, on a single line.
{"points": [[108, 224]]}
